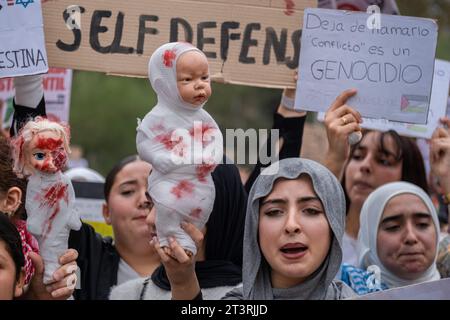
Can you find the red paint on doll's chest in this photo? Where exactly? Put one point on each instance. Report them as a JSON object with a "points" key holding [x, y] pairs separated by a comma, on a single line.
{"points": [[51, 198], [183, 188], [198, 132], [166, 140], [203, 170], [55, 193]]}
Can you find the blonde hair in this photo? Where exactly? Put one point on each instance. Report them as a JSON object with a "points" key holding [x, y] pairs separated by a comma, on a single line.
{"points": [[27, 133]]}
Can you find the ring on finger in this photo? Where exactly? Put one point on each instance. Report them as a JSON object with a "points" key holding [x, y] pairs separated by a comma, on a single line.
{"points": [[344, 120]]}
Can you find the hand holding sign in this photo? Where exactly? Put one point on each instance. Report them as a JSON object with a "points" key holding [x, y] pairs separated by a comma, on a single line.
{"points": [[339, 51], [341, 121]]}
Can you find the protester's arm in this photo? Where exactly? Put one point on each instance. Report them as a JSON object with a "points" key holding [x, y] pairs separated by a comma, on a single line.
{"points": [[340, 121], [28, 101], [65, 278], [290, 124], [179, 267]]}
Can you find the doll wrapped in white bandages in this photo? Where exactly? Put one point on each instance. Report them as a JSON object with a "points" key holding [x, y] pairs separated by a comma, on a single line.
{"points": [[40, 153], [181, 141]]}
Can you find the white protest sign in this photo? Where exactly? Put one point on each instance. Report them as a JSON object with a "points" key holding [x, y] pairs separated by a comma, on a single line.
{"points": [[57, 88], [433, 290], [438, 107], [22, 44], [386, 6], [391, 67]]}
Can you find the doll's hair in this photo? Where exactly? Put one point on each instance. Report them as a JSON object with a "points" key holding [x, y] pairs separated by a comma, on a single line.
{"points": [[27, 133]]}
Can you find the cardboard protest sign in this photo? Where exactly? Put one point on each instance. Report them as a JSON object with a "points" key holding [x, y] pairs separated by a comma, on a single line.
{"points": [[57, 88], [386, 6], [433, 290], [22, 44], [392, 67], [438, 107], [252, 42]]}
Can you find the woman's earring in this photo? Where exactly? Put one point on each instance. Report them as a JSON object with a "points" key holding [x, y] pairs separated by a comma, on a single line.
{"points": [[13, 211]]}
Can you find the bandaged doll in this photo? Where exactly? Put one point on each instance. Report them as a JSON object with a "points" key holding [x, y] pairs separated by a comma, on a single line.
{"points": [[181, 141], [40, 153]]}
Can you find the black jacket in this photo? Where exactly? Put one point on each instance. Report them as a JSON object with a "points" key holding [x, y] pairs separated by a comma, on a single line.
{"points": [[98, 261]]}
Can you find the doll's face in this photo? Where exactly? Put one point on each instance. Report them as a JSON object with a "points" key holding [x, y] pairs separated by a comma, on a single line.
{"points": [[193, 80], [46, 152]]}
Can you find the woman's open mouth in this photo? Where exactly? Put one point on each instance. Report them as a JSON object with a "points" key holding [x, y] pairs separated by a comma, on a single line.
{"points": [[294, 250]]}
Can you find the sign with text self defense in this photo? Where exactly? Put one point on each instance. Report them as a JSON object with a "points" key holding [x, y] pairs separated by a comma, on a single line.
{"points": [[22, 44], [390, 64], [252, 42]]}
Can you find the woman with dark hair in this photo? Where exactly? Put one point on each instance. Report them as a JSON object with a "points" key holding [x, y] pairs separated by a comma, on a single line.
{"points": [[12, 260], [105, 262]]}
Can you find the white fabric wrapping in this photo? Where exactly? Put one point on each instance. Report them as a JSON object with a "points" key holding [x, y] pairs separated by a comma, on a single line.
{"points": [[181, 191], [51, 216]]}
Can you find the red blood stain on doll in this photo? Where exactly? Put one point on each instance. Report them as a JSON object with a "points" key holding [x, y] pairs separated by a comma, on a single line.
{"points": [[203, 170], [168, 57], [289, 7], [196, 213], [166, 140], [183, 188], [199, 133], [59, 159], [158, 127], [48, 143], [51, 199]]}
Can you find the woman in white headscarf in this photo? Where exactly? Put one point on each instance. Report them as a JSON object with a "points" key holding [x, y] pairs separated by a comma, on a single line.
{"points": [[398, 238], [293, 234]]}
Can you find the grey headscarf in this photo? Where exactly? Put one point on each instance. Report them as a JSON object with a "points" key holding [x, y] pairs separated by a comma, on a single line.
{"points": [[256, 270]]}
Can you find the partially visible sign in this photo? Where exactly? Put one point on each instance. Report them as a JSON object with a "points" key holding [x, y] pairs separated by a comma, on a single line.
{"points": [[57, 89], [22, 43], [392, 67], [438, 108], [433, 290]]}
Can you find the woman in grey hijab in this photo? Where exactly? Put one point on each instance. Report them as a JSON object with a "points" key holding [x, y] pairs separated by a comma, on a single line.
{"points": [[296, 220]]}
